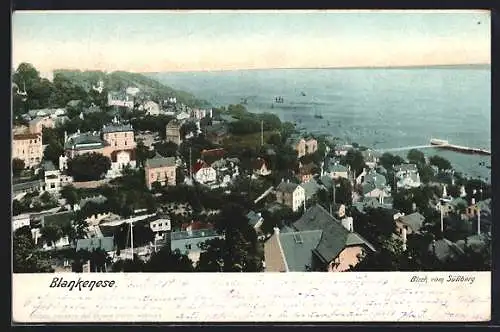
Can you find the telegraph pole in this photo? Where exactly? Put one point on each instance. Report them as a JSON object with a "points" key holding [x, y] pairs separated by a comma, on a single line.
{"points": [[132, 238], [261, 132]]}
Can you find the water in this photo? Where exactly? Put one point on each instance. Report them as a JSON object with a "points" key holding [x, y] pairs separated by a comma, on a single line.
{"points": [[378, 108]]}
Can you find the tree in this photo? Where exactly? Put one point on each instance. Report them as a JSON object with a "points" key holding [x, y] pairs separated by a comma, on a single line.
{"points": [[388, 257], [26, 258], [167, 149], [188, 127], [53, 151], [416, 157], [89, 166], [47, 199], [440, 162], [426, 173], [51, 234], [70, 194], [355, 160], [388, 160], [166, 261], [17, 166], [142, 153], [376, 225]]}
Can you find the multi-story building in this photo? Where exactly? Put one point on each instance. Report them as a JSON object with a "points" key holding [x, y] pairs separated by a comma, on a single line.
{"points": [[290, 194], [304, 146], [173, 132], [120, 99], [160, 169], [27, 147], [117, 143]]}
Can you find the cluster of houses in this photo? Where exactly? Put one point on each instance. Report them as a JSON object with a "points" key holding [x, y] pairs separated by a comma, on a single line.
{"points": [[320, 240]]}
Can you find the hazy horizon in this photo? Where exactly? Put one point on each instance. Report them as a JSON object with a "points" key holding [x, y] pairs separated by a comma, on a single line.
{"points": [[193, 41]]}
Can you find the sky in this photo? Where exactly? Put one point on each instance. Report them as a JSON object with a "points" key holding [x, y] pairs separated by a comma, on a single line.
{"points": [[158, 41]]}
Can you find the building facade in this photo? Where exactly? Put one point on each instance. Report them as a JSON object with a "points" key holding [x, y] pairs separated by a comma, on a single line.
{"points": [[27, 147], [290, 194], [173, 132], [162, 170]]}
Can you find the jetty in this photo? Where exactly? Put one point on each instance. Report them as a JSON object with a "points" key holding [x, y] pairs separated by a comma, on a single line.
{"points": [[443, 144]]}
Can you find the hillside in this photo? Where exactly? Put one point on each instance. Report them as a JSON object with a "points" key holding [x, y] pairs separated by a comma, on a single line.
{"points": [[120, 80]]}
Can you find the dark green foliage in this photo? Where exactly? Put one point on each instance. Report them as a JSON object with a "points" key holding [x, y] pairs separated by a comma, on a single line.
{"points": [[88, 167]]}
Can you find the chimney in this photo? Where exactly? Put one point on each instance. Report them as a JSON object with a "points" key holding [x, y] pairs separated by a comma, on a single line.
{"points": [[403, 234]]}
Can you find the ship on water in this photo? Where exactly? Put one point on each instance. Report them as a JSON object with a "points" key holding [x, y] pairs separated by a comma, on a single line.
{"points": [[437, 141]]}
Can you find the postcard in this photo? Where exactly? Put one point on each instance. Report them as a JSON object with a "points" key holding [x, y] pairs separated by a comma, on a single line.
{"points": [[251, 166]]}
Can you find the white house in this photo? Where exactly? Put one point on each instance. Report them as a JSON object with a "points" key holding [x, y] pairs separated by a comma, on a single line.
{"points": [[182, 116], [20, 221], [290, 194], [260, 167], [151, 108], [337, 171], [407, 176], [53, 178], [160, 227], [204, 173]]}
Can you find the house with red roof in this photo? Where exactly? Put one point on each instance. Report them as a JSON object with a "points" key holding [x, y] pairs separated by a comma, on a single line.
{"points": [[204, 173], [260, 167]]}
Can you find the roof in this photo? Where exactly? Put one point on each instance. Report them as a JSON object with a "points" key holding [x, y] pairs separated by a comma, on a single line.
{"points": [[104, 243], [83, 139], [157, 162], [25, 136], [228, 118], [475, 242], [49, 166], [444, 249], [60, 219], [183, 239], [38, 119], [335, 236], [406, 167], [199, 165], [219, 129], [455, 202], [373, 203], [213, 153], [174, 124], [197, 225], [253, 218], [297, 248], [373, 181], [484, 206], [311, 187], [26, 185], [307, 168], [258, 163], [114, 128], [327, 181], [370, 155], [287, 187], [415, 221], [337, 168], [99, 199]]}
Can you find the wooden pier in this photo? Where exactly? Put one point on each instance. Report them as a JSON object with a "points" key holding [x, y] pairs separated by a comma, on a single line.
{"points": [[458, 148]]}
